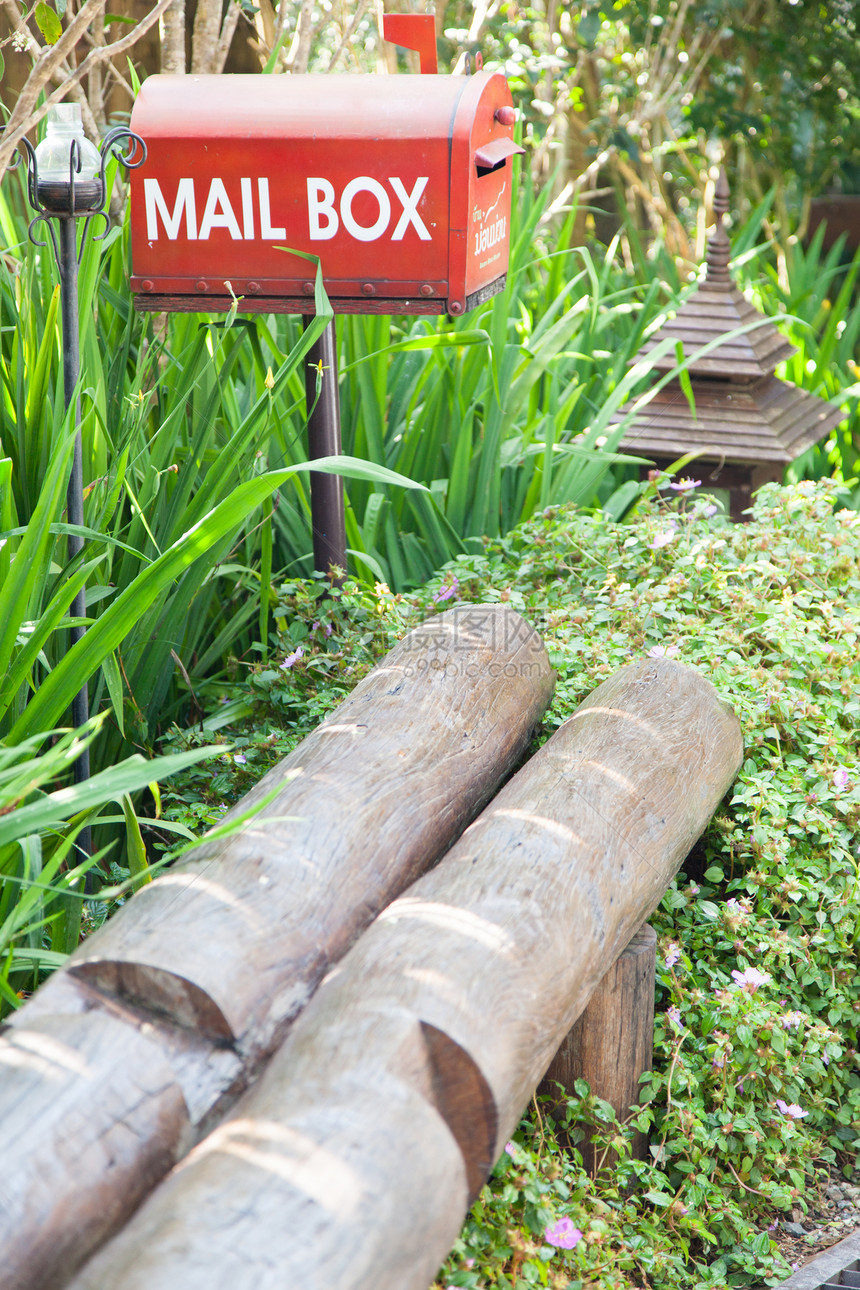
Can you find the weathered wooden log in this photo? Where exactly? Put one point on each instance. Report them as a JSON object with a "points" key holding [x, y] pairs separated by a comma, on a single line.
{"points": [[611, 1044], [326, 1176], [86, 1102], [370, 799], [213, 961]]}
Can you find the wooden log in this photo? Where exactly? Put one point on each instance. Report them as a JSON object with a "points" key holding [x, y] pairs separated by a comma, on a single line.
{"points": [[371, 798], [611, 1044], [458, 995], [93, 1117], [302, 1176], [202, 1069], [215, 959]]}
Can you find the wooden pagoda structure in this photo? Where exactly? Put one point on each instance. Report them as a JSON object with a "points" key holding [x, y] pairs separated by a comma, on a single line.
{"points": [[746, 422]]}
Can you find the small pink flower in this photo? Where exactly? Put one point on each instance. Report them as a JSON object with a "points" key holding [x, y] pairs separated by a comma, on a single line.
{"points": [[710, 510], [664, 651], [684, 485], [672, 955], [292, 659], [663, 538], [840, 778], [674, 1015], [793, 1111], [750, 979], [240, 759], [511, 1148], [563, 1235], [447, 591]]}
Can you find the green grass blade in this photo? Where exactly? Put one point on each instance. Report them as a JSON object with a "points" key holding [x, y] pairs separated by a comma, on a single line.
{"points": [[23, 577], [108, 632]]}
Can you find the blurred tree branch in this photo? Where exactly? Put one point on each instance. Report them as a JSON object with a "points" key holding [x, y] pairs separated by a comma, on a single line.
{"points": [[52, 65]]}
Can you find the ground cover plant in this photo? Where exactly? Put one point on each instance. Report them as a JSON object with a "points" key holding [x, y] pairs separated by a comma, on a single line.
{"points": [[755, 1091]]}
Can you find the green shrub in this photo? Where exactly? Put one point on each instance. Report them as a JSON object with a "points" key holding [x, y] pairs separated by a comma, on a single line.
{"points": [[42, 870], [756, 1076], [755, 1088]]}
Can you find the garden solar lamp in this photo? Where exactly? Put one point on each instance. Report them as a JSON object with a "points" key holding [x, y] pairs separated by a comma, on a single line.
{"points": [[65, 184]]}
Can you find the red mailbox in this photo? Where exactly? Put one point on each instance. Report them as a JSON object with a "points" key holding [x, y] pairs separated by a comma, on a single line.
{"points": [[400, 184]]}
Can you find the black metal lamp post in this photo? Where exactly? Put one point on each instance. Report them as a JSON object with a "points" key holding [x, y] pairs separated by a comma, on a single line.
{"points": [[66, 182]]}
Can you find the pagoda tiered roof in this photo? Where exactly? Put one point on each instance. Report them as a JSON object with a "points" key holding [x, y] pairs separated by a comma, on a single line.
{"points": [[741, 412]]}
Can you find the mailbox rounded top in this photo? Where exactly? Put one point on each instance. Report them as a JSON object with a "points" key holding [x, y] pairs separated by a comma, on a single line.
{"points": [[350, 106]]}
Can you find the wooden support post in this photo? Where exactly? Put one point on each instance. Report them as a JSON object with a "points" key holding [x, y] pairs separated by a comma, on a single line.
{"points": [[351, 1164], [328, 520], [611, 1043], [211, 963]]}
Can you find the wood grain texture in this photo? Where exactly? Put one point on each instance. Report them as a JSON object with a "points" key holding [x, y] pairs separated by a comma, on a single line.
{"points": [[367, 802], [611, 1044], [204, 1070], [498, 950], [92, 1117], [300, 1171], [213, 960]]}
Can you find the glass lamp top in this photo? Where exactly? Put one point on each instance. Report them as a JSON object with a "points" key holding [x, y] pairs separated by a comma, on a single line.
{"points": [[66, 157]]}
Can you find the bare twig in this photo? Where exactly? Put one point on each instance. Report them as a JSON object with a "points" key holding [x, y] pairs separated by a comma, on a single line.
{"points": [[225, 40], [301, 51], [348, 34]]}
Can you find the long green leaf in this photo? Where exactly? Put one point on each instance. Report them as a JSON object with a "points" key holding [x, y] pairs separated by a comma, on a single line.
{"points": [[48, 621], [16, 591], [135, 849], [80, 663], [108, 785]]}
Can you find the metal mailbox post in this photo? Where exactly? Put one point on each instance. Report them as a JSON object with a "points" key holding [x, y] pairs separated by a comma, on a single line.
{"points": [[401, 185]]}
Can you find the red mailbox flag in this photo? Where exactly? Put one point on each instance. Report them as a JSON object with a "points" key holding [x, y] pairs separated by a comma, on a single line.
{"points": [[413, 31]]}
